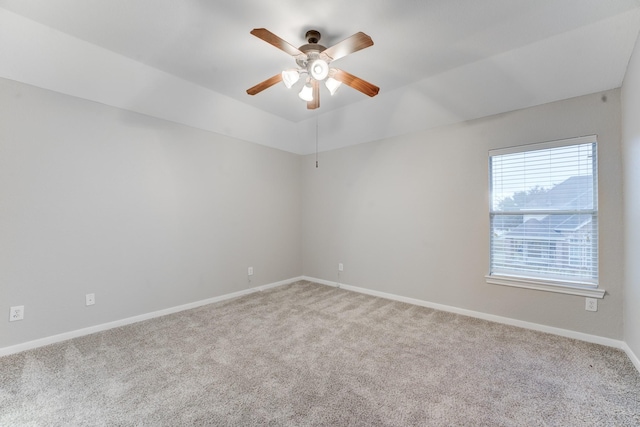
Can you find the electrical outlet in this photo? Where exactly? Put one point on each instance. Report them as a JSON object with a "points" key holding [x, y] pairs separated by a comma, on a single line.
{"points": [[250, 271], [16, 313], [90, 299], [591, 304], [340, 267]]}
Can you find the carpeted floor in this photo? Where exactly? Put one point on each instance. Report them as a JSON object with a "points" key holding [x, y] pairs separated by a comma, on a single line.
{"points": [[308, 354]]}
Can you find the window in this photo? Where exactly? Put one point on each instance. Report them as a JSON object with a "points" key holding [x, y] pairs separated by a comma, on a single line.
{"points": [[544, 216]]}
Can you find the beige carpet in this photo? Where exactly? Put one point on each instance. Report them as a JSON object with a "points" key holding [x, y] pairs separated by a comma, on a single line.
{"points": [[308, 354]]}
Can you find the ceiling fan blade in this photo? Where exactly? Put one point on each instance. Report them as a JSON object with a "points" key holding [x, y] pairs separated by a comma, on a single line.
{"points": [[272, 39], [356, 42], [312, 105], [265, 84], [355, 82]]}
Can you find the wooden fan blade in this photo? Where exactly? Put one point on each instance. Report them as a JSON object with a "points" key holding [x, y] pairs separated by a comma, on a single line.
{"points": [[272, 39], [312, 105], [356, 42], [265, 84], [356, 82]]}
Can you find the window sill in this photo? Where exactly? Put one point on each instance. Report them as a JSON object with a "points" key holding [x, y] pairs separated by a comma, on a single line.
{"points": [[559, 287]]}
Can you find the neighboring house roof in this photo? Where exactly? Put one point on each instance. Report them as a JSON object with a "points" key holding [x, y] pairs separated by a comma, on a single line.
{"points": [[551, 227], [575, 193]]}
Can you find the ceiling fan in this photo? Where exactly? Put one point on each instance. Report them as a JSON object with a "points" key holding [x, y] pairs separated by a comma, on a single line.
{"points": [[313, 60]]}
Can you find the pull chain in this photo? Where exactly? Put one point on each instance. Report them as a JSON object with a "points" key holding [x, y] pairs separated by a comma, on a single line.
{"points": [[316, 142]]}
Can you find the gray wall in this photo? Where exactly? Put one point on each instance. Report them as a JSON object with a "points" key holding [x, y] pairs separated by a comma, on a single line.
{"points": [[631, 150], [148, 214], [409, 215], [145, 213]]}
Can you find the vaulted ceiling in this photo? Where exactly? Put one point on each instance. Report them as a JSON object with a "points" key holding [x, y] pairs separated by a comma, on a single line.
{"points": [[436, 61]]}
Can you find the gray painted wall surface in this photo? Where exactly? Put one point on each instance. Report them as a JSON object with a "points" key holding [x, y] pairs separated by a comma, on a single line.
{"points": [[631, 150], [145, 213], [148, 214], [409, 215]]}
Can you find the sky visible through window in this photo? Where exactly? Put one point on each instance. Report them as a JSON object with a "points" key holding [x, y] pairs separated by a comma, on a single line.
{"points": [[545, 168]]}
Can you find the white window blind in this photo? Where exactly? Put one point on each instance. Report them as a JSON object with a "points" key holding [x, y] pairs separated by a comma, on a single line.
{"points": [[544, 211]]}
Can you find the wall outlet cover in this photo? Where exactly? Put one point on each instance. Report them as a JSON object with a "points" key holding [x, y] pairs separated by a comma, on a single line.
{"points": [[16, 313], [90, 299]]}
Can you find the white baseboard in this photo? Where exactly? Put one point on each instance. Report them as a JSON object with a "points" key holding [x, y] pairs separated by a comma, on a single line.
{"points": [[5, 351], [477, 314], [634, 358], [490, 317]]}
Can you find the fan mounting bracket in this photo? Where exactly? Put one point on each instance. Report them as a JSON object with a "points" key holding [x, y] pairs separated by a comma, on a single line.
{"points": [[313, 36]]}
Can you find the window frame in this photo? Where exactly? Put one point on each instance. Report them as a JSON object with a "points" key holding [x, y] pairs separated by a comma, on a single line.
{"points": [[558, 285]]}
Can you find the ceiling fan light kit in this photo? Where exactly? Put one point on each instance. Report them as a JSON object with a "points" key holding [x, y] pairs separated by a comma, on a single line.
{"points": [[313, 59]]}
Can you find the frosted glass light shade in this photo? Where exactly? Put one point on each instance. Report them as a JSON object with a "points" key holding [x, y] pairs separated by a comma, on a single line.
{"points": [[332, 84], [306, 93], [290, 77]]}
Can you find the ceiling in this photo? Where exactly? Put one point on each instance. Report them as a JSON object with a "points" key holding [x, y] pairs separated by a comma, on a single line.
{"points": [[437, 48]]}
